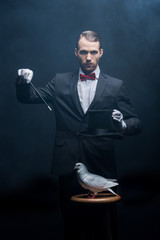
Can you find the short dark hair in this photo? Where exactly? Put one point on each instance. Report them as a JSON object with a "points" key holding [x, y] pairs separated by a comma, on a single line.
{"points": [[90, 36]]}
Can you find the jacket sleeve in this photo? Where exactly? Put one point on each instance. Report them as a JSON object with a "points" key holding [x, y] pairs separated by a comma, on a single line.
{"points": [[26, 94], [130, 117]]}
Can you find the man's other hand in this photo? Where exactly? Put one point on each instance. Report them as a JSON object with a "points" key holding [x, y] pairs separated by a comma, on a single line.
{"points": [[118, 120]]}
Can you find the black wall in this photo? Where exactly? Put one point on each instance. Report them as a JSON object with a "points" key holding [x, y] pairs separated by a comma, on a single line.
{"points": [[41, 35]]}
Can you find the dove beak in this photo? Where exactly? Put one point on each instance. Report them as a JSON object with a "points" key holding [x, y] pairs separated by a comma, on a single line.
{"points": [[76, 167]]}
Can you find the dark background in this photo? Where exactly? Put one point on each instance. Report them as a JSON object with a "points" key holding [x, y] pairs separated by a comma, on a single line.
{"points": [[41, 35]]}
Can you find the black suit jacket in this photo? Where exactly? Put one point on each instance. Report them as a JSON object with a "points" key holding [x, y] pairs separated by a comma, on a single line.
{"points": [[70, 147]]}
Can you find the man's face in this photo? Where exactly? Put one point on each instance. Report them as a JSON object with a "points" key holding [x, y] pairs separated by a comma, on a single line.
{"points": [[88, 54]]}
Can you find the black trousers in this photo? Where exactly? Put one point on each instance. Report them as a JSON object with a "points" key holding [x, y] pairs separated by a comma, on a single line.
{"points": [[85, 221]]}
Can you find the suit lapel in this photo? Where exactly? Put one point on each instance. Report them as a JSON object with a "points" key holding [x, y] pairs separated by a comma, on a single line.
{"points": [[74, 92], [102, 83]]}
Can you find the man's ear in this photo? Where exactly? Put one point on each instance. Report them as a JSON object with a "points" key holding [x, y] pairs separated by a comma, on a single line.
{"points": [[76, 51], [101, 52]]}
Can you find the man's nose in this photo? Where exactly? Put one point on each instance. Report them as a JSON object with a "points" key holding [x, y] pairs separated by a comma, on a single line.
{"points": [[88, 57]]}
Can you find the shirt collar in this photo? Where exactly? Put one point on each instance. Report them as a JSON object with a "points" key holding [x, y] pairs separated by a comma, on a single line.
{"points": [[97, 72]]}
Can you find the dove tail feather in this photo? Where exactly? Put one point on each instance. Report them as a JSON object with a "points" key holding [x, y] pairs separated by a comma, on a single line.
{"points": [[111, 179], [110, 190]]}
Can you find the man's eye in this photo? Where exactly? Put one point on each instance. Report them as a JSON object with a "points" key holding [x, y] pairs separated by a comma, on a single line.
{"points": [[83, 52], [94, 52]]}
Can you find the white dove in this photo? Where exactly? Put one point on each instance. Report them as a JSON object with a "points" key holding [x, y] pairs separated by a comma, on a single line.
{"points": [[92, 182]]}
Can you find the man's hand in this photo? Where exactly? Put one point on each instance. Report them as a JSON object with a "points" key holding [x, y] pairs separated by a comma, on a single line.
{"points": [[118, 120], [26, 73]]}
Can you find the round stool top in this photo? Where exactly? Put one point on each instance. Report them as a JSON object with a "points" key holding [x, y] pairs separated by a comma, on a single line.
{"points": [[99, 198]]}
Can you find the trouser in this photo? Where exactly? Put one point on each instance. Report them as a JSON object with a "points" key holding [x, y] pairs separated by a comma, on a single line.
{"points": [[85, 221]]}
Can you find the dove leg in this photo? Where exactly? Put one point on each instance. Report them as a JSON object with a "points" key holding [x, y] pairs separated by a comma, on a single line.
{"points": [[91, 195]]}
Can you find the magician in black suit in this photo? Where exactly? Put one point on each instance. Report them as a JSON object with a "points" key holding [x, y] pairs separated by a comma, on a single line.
{"points": [[76, 97]]}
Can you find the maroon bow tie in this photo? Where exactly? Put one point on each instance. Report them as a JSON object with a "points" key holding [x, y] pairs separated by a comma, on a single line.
{"points": [[91, 76]]}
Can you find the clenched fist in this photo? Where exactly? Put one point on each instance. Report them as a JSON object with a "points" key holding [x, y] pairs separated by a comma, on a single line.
{"points": [[26, 73]]}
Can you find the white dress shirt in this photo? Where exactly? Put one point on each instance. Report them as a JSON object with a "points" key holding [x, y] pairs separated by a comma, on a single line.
{"points": [[86, 90]]}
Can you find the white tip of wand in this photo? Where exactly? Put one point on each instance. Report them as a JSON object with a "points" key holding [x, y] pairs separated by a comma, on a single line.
{"points": [[49, 108]]}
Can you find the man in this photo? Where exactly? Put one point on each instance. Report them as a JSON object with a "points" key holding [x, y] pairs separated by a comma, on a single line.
{"points": [[73, 96]]}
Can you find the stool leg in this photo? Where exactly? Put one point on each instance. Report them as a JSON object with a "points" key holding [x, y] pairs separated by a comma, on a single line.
{"points": [[114, 221], [102, 226]]}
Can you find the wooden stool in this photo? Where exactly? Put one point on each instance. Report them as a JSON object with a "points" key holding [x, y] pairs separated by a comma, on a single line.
{"points": [[104, 210], [100, 198]]}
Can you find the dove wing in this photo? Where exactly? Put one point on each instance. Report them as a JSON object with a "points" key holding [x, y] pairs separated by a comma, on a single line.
{"points": [[98, 183], [95, 181]]}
